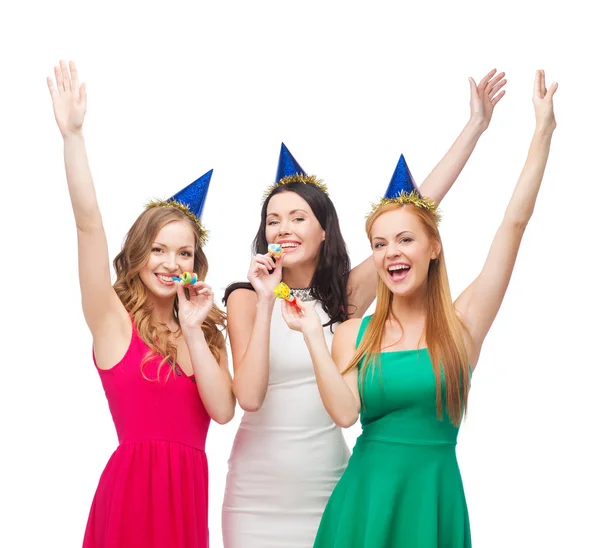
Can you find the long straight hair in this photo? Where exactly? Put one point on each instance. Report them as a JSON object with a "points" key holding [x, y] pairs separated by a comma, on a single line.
{"points": [[444, 331]]}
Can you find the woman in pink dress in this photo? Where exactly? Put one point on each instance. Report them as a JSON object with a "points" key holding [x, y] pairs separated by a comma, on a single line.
{"points": [[158, 348]]}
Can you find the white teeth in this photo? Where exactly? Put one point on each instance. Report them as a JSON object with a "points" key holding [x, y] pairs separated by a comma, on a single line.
{"points": [[165, 278], [289, 245], [398, 267]]}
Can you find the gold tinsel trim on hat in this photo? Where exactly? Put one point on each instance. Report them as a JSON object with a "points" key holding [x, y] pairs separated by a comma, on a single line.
{"points": [[297, 178], [412, 198], [184, 209]]}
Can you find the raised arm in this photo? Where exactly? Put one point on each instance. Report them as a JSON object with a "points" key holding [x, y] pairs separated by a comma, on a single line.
{"points": [[484, 97], [362, 282], [105, 315], [339, 393], [249, 326], [480, 302]]}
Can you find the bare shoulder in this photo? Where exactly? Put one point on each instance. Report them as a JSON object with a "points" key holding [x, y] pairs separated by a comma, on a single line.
{"points": [[242, 300], [348, 331]]}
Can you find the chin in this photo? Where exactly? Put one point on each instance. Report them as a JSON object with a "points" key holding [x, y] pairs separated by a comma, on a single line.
{"points": [[291, 260]]}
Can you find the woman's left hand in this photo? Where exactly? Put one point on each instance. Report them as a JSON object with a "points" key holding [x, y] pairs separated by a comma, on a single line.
{"points": [[193, 311], [301, 317], [542, 102]]}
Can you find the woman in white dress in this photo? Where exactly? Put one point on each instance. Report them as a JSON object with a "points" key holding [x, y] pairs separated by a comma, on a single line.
{"points": [[288, 454]]}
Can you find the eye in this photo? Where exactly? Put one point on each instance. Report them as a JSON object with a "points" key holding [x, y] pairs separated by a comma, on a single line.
{"points": [[272, 223], [156, 250], [377, 245], [299, 219], [186, 254], [406, 240]]}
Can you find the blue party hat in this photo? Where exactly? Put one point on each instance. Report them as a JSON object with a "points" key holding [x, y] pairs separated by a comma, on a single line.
{"points": [[403, 190], [287, 165], [194, 195], [402, 181], [190, 200], [290, 171]]}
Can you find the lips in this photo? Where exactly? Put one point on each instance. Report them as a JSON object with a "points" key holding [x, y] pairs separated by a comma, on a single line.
{"points": [[165, 279], [289, 246], [398, 272]]}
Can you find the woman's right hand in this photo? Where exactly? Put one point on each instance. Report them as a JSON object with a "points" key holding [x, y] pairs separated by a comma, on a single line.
{"points": [[264, 275], [68, 99]]}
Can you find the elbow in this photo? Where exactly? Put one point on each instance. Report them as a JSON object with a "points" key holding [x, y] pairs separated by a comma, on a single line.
{"points": [[248, 401], [517, 223], [250, 404], [346, 421], [224, 417]]}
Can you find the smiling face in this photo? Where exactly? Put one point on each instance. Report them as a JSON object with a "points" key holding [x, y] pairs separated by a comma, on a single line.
{"points": [[291, 222], [402, 250], [171, 254]]}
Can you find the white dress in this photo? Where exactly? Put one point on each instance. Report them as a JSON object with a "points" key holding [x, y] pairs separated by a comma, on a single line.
{"points": [[287, 457]]}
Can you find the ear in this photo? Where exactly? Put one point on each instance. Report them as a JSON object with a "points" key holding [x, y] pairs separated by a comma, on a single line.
{"points": [[323, 236], [436, 249]]}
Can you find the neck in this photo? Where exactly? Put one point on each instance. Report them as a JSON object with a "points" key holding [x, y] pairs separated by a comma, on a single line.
{"points": [[300, 276], [412, 308]]}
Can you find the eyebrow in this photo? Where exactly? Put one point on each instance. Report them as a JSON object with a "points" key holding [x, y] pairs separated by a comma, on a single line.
{"points": [[291, 213], [182, 247], [397, 235]]}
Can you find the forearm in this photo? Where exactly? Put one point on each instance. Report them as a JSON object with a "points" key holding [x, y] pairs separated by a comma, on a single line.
{"points": [[522, 202], [213, 382], [80, 183], [251, 376], [336, 395], [444, 174]]}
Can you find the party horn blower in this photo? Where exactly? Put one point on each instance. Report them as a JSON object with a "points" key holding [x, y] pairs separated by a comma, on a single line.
{"points": [[186, 279], [274, 250], [282, 291]]}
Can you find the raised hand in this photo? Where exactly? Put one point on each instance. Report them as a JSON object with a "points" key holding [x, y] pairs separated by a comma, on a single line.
{"points": [[542, 102], [69, 99], [264, 275], [193, 311], [485, 96], [301, 317]]}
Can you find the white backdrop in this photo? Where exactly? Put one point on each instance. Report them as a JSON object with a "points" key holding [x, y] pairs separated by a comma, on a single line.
{"points": [[178, 88]]}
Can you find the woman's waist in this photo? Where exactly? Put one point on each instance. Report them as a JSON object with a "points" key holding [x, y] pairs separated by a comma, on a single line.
{"points": [[412, 432], [289, 448], [295, 411], [190, 438]]}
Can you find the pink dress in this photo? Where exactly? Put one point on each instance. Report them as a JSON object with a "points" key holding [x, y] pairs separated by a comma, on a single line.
{"points": [[153, 492]]}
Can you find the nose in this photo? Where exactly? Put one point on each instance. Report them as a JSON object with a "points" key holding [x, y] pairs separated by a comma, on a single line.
{"points": [[170, 262], [392, 251], [283, 228]]}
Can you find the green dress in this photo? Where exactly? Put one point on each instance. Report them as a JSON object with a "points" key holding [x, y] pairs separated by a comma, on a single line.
{"points": [[402, 487]]}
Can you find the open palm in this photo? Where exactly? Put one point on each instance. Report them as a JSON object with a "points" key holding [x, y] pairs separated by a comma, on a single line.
{"points": [[68, 98], [485, 96]]}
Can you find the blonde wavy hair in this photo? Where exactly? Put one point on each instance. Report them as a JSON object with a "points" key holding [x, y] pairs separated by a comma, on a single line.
{"points": [[134, 294], [444, 331]]}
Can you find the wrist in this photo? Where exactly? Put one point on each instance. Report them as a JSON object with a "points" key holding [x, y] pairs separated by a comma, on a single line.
{"points": [[192, 332], [476, 124], [313, 334], [266, 301], [73, 135], [544, 129]]}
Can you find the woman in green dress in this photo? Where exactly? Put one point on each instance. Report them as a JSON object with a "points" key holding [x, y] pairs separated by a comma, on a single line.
{"points": [[406, 369]]}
